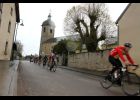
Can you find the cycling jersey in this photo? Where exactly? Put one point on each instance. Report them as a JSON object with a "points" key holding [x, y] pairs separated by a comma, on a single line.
{"points": [[120, 51], [52, 57]]}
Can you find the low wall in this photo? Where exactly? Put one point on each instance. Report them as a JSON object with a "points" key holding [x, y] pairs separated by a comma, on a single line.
{"points": [[92, 61]]}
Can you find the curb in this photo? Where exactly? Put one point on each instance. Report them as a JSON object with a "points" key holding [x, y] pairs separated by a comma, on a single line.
{"points": [[13, 83]]}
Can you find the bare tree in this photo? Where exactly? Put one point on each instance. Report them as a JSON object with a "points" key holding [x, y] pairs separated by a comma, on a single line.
{"points": [[91, 21], [19, 48]]}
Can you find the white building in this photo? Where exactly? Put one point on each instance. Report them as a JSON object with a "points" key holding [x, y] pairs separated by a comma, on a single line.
{"points": [[9, 16], [129, 29]]}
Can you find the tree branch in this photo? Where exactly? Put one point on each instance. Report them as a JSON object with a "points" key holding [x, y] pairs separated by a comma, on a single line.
{"points": [[85, 25], [78, 29]]}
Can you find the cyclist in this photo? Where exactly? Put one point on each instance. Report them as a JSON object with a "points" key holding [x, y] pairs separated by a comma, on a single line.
{"points": [[45, 59], [39, 59], [31, 58], [119, 52], [52, 59]]}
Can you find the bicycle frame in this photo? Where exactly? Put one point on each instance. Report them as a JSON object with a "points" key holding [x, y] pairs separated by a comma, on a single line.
{"points": [[125, 70], [125, 78]]}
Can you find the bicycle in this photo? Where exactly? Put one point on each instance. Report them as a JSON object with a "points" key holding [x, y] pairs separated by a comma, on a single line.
{"points": [[53, 66], [39, 62], [130, 82], [44, 63]]}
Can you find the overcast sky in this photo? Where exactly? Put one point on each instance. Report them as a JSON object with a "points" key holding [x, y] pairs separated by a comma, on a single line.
{"points": [[33, 14]]}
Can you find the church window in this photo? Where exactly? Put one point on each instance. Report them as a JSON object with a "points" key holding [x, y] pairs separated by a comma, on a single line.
{"points": [[44, 29], [50, 30]]}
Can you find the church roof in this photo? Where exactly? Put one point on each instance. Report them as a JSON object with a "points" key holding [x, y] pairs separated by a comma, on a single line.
{"points": [[48, 22]]}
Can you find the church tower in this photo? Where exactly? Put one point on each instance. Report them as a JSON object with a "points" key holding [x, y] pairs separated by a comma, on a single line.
{"points": [[48, 30]]}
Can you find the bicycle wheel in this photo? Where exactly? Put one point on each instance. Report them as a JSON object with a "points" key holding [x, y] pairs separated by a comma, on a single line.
{"points": [[131, 84], [54, 68], [48, 66], [106, 82]]}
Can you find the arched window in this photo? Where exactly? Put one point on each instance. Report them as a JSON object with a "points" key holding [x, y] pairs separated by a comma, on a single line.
{"points": [[44, 29], [51, 31]]}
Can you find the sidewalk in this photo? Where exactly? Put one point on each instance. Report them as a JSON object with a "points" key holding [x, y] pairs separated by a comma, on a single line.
{"points": [[8, 77], [85, 71]]}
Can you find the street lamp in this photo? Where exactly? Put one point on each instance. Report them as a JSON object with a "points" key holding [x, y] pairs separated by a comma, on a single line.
{"points": [[21, 23], [14, 48], [17, 29]]}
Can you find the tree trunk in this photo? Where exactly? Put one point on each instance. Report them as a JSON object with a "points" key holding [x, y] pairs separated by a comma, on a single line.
{"points": [[91, 41]]}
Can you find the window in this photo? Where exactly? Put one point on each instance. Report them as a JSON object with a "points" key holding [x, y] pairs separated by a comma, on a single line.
{"points": [[1, 5], [11, 11], [50, 30], [0, 21], [44, 30], [6, 47], [9, 27]]}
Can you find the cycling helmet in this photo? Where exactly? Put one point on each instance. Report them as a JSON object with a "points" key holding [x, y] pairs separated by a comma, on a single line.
{"points": [[129, 45]]}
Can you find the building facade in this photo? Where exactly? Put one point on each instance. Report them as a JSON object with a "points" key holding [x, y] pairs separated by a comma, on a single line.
{"points": [[9, 16], [129, 29]]}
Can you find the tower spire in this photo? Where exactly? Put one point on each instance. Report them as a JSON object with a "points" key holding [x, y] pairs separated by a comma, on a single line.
{"points": [[50, 11], [49, 16]]}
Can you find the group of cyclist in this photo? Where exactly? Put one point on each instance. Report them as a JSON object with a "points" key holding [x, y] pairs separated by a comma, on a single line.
{"points": [[45, 60]]}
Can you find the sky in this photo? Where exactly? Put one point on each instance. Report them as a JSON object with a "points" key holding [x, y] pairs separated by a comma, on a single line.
{"points": [[33, 15]]}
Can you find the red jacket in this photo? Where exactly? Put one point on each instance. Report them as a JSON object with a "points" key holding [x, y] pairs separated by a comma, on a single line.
{"points": [[119, 51]]}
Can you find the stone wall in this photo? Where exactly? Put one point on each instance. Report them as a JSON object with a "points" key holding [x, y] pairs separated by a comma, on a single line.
{"points": [[92, 61]]}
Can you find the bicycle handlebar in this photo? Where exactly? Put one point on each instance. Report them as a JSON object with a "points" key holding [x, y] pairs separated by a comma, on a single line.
{"points": [[133, 65]]}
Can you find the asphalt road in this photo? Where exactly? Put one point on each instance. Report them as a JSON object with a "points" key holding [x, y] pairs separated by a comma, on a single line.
{"points": [[33, 80]]}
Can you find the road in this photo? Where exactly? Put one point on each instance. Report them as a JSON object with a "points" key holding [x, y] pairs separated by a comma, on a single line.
{"points": [[33, 80]]}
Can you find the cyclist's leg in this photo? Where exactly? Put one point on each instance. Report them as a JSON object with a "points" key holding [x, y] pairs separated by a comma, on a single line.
{"points": [[51, 65], [119, 66], [44, 62], [114, 63]]}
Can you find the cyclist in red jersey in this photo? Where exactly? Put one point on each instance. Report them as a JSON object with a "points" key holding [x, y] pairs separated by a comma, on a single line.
{"points": [[117, 53]]}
